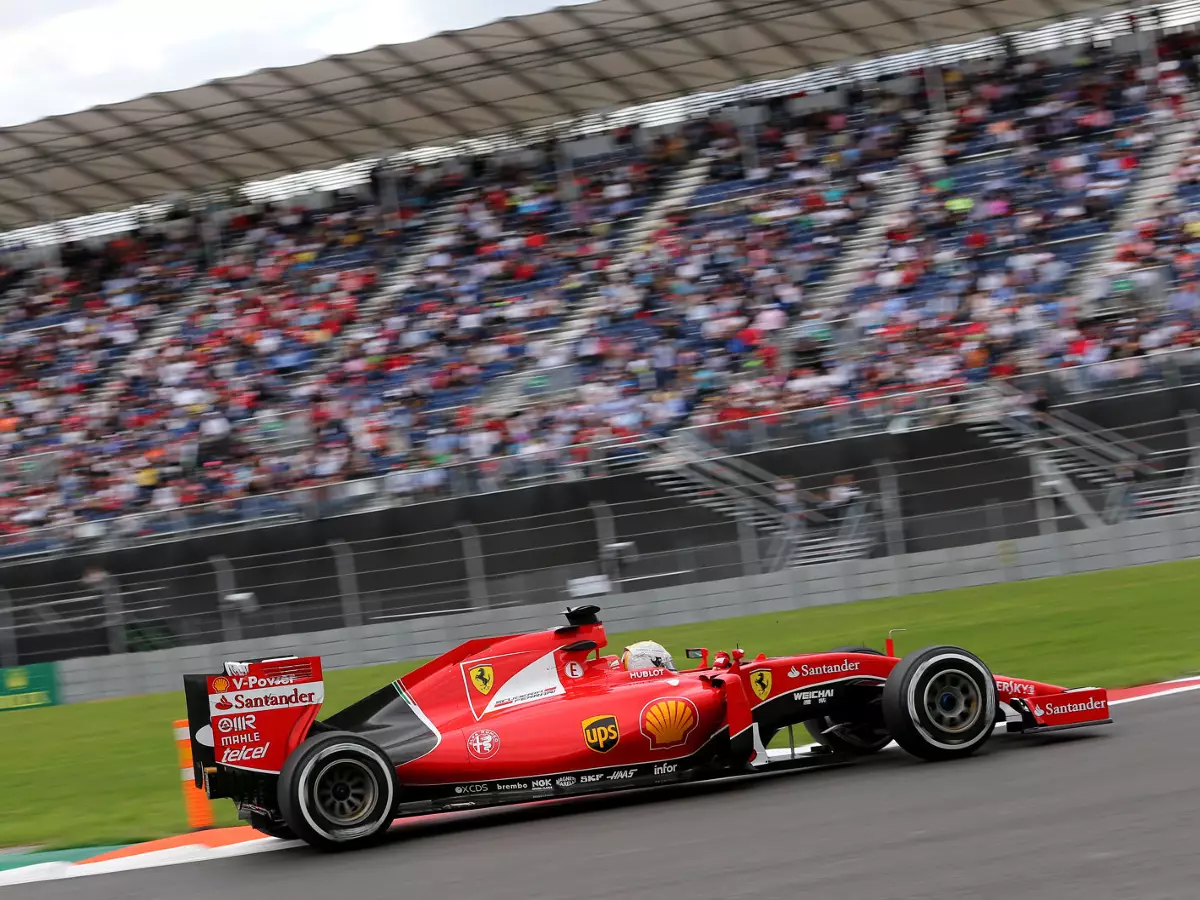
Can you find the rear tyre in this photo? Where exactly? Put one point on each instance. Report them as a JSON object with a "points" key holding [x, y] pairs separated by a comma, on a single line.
{"points": [[940, 703], [270, 827], [852, 738], [337, 791]]}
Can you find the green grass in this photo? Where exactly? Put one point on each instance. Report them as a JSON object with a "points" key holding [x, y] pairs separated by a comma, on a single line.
{"points": [[106, 772]]}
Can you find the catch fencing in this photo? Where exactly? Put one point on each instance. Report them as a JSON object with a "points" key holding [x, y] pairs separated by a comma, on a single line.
{"points": [[1176, 369], [1135, 542], [404, 486], [977, 497]]}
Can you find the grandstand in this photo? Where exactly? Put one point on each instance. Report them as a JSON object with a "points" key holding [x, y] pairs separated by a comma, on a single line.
{"points": [[735, 270]]}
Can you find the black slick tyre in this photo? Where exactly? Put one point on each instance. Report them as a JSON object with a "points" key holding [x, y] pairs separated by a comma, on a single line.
{"points": [[271, 828], [940, 703], [851, 738], [337, 791]]}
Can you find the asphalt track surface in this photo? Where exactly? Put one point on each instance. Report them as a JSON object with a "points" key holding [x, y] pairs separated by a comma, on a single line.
{"points": [[1108, 813]]}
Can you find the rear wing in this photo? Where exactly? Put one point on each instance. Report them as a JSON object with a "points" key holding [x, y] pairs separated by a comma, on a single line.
{"points": [[253, 714]]}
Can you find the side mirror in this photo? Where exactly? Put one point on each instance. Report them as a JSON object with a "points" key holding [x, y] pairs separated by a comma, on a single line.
{"points": [[700, 653]]}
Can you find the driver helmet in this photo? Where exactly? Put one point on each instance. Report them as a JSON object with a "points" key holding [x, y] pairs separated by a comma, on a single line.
{"points": [[646, 655]]}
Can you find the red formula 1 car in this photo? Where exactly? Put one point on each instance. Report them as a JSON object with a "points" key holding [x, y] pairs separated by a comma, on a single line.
{"points": [[544, 715]]}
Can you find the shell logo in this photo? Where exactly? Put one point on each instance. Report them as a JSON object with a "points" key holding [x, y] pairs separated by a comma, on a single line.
{"points": [[220, 685], [669, 721]]}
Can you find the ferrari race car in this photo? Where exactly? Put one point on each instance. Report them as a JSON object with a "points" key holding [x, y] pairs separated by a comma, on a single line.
{"points": [[544, 715]]}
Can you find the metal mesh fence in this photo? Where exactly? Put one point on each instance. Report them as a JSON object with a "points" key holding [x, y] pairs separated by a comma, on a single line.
{"points": [[904, 474]]}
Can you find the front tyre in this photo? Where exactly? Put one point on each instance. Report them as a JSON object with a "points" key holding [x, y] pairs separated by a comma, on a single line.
{"points": [[337, 791], [940, 703], [850, 738]]}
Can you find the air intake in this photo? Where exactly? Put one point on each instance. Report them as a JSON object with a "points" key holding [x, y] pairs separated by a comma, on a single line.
{"points": [[582, 615]]}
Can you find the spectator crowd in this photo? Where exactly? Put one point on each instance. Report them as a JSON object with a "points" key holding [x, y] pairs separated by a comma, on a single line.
{"points": [[301, 347]]}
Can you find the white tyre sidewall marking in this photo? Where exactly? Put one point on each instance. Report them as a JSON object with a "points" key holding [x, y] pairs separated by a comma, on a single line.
{"points": [[302, 792], [989, 692]]}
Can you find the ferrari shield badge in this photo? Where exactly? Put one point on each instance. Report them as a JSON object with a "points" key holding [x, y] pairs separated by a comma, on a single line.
{"points": [[483, 678], [760, 682]]}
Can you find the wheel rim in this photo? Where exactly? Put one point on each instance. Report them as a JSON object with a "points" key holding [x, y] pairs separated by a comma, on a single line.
{"points": [[952, 701], [346, 792]]}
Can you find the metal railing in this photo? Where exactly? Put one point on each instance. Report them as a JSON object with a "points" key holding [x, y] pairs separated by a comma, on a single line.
{"points": [[277, 431], [940, 502], [898, 412], [469, 478], [1111, 378]]}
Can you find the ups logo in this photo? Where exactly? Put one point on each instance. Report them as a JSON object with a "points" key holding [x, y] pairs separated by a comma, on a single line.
{"points": [[601, 733]]}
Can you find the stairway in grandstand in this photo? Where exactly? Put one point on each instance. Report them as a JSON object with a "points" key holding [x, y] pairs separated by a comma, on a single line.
{"points": [[1077, 458], [675, 194], [898, 189], [166, 325], [510, 391], [441, 223], [1174, 445], [391, 282], [1154, 179], [692, 470], [1180, 498], [897, 192]]}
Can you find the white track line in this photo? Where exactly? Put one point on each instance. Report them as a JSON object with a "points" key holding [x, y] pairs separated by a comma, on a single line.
{"points": [[1157, 694], [52, 871], [199, 853], [171, 856]]}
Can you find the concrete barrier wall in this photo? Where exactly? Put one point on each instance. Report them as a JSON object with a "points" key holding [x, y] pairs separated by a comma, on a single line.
{"points": [[1141, 542]]}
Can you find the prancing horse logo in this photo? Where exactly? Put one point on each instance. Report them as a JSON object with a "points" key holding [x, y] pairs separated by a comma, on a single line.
{"points": [[760, 682], [483, 679]]}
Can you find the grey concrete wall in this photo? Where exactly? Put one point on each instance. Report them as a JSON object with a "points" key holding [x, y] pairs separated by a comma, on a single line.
{"points": [[1134, 543]]}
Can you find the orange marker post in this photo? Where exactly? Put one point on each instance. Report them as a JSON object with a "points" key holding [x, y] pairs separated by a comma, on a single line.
{"points": [[195, 801]]}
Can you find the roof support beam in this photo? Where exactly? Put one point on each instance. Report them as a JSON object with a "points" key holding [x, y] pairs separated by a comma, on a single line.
{"points": [[803, 57], [99, 180], [906, 22], [388, 89], [179, 147], [234, 136], [581, 63], [149, 166], [841, 26], [607, 40], [341, 153], [537, 90], [346, 109], [729, 62], [980, 14], [40, 191], [472, 100], [34, 217]]}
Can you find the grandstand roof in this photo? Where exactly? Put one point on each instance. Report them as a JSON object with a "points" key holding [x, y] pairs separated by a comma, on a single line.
{"points": [[512, 74]]}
